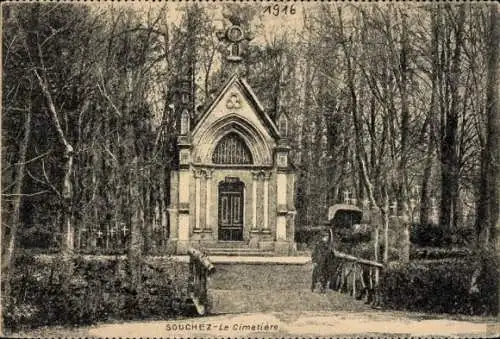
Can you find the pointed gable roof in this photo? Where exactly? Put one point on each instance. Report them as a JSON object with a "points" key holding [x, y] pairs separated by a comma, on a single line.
{"points": [[252, 99]]}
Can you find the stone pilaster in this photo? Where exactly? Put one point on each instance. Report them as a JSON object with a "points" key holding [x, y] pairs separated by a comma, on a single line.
{"points": [[208, 177], [173, 213], [281, 206], [255, 178], [267, 176], [184, 211], [197, 179]]}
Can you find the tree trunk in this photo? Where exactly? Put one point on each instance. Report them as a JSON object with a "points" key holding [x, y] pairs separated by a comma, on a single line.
{"points": [[449, 161], [67, 194], [8, 257], [135, 245], [431, 138], [67, 189], [376, 243], [425, 194], [385, 219], [405, 114], [489, 195]]}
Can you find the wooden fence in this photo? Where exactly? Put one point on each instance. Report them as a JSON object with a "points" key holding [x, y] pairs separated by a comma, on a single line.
{"points": [[356, 275]]}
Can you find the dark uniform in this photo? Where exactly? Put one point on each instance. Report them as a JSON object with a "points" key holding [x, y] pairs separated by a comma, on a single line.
{"points": [[320, 259]]}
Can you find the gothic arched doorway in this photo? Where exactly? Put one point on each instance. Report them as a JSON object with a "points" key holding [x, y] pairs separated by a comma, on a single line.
{"points": [[231, 210]]}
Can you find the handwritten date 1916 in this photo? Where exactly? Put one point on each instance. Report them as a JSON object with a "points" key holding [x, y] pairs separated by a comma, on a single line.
{"points": [[278, 9]]}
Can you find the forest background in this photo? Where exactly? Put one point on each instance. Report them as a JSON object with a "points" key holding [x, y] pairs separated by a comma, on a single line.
{"points": [[386, 102]]}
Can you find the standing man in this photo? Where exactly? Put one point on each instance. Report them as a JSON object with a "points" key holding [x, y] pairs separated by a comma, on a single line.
{"points": [[321, 255]]}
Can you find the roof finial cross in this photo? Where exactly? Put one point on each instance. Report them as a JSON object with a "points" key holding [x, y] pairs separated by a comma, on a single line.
{"points": [[234, 36]]}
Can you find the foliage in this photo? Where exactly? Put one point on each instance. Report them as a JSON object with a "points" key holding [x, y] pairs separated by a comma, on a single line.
{"points": [[380, 101], [443, 286], [79, 290], [358, 85], [426, 253], [432, 235], [109, 93], [39, 236], [306, 236], [426, 235]]}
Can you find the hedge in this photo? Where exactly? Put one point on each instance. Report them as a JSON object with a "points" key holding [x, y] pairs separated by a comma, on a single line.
{"points": [[84, 290], [442, 286]]}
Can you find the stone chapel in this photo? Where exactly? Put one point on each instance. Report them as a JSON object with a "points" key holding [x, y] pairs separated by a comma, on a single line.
{"points": [[234, 186]]}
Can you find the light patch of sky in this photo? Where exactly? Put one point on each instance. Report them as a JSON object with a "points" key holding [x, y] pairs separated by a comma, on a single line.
{"points": [[269, 26], [272, 25]]}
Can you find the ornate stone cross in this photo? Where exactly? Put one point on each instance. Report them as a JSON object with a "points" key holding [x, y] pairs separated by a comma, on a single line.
{"points": [[234, 36]]}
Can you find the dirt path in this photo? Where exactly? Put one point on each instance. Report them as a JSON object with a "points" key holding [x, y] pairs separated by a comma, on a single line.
{"points": [[263, 300], [254, 313], [289, 324]]}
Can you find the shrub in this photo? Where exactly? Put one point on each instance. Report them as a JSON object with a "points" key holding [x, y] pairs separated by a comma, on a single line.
{"points": [[78, 290], [37, 236], [443, 286], [429, 235], [306, 236], [433, 253], [432, 235]]}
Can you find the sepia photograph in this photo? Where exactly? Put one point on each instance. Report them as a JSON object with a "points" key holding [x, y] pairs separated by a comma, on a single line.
{"points": [[276, 169]]}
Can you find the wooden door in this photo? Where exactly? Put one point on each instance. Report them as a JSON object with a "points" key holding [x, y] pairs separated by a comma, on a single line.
{"points": [[231, 211]]}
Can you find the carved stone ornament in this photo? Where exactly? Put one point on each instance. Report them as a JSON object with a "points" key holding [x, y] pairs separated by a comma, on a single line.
{"points": [[255, 175], [233, 102], [282, 160], [235, 34], [197, 173], [267, 175], [208, 173], [184, 157]]}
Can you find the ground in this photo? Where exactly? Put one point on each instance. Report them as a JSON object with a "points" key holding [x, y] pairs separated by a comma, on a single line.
{"points": [[275, 291], [301, 313]]}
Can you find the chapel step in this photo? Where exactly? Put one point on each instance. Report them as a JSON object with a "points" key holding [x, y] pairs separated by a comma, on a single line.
{"points": [[230, 244], [240, 254], [237, 252]]}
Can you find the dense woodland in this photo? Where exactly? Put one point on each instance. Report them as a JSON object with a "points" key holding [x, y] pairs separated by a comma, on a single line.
{"points": [[390, 103]]}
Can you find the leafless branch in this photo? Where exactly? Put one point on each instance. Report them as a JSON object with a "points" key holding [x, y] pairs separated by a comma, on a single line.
{"points": [[25, 194], [47, 182], [28, 161], [35, 158], [106, 96], [42, 182], [110, 153]]}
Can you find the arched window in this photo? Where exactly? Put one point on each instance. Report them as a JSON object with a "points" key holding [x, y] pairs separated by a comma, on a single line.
{"points": [[231, 149], [283, 125], [185, 122]]}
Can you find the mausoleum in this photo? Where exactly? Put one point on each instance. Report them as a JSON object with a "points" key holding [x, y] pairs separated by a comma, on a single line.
{"points": [[234, 186]]}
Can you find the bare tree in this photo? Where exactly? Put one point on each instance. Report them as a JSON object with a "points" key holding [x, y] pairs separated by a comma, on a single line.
{"points": [[449, 126], [489, 196]]}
